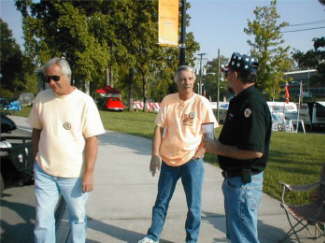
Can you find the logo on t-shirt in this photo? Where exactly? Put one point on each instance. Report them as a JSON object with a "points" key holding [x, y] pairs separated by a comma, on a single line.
{"points": [[67, 126], [188, 119]]}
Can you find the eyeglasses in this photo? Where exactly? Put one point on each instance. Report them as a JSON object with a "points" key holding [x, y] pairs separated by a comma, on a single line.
{"points": [[55, 78]]}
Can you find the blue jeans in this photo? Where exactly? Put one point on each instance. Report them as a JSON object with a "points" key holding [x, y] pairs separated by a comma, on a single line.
{"points": [[47, 192], [191, 175], [241, 208]]}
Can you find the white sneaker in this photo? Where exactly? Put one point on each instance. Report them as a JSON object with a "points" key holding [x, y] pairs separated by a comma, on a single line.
{"points": [[147, 240]]}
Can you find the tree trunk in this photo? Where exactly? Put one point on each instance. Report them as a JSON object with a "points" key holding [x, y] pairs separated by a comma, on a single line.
{"points": [[144, 93], [130, 90]]}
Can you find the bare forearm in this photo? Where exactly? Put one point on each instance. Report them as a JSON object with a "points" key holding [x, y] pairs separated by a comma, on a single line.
{"points": [[36, 134], [232, 151], [156, 142], [90, 154], [90, 157]]}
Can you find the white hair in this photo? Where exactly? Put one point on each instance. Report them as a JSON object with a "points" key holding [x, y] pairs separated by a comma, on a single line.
{"points": [[64, 65], [183, 68]]}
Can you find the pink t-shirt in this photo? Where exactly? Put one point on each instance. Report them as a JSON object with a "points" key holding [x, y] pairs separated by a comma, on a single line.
{"points": [[182, 121]]}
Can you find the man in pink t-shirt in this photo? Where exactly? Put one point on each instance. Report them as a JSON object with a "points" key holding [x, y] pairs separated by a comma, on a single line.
{"points": [[178, 144]]}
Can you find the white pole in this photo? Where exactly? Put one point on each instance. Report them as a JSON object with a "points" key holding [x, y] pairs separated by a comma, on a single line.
{"points": [[298, 113]]}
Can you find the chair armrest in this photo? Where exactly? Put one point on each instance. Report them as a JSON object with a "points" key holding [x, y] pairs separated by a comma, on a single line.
{"points": [[300, 188]]}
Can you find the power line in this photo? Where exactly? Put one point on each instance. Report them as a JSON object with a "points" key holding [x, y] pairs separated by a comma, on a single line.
{"points": [[316, 28], [307, 23]]}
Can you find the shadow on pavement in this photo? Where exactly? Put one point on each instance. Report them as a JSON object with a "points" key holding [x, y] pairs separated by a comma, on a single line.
{"points": [[138, 144], [117, 232], [18, 232], [219, 223]]}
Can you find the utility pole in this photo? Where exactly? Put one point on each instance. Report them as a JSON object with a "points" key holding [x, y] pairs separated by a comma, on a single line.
{"points": [[183, 34], [200, 73], [218, 87]]}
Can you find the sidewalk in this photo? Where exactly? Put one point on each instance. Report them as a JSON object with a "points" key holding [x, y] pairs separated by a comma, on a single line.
{"points": [[119, 209]]}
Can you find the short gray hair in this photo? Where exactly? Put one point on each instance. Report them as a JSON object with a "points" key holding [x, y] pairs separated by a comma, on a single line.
{"points": [[64, 65], [183, 68]]}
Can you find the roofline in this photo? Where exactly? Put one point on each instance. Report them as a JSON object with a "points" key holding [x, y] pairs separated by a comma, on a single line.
{"points": [[302, 71]]}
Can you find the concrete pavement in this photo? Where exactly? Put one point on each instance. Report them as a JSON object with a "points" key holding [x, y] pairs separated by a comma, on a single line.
{"points": [[119, 209]]}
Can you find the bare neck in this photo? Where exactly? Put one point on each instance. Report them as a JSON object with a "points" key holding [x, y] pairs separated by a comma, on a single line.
{"points": [[242, 87], [185, 95]]}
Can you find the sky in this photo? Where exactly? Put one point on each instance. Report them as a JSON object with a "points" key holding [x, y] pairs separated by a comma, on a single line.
{"points": [[219, 24]]}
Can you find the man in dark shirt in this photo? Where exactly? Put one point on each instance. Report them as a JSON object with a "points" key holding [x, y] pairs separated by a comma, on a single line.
{"points": [[243, 149]]}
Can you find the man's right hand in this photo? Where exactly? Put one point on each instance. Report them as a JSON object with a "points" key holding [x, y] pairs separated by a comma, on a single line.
{"points": [[155, 164]]}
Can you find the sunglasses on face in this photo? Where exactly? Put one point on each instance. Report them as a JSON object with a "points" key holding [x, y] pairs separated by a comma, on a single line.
{"points": [[55, 78]]}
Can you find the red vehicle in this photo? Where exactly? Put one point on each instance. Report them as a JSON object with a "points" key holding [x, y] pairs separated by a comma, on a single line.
{"points": [[114, 103], [110, 99]]}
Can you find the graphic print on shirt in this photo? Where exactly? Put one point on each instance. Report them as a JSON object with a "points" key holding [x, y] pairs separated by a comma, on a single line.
{"points": [[67, 126], [188, 118]]}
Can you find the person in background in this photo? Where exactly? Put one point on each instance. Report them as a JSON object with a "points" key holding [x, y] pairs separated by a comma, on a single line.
{"points": [[178, 143], [65, 123], [243, 149]]}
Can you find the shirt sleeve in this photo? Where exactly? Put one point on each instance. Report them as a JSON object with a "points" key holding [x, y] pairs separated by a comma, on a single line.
{"points": [[93, 125], [253, 128], [34, 118]]}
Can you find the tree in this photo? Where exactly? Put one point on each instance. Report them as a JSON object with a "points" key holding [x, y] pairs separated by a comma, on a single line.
{"points": [[306, 60], [211, 77], [97, 35], [67, 29], [268, 48], [16, 69], [313, 59]]}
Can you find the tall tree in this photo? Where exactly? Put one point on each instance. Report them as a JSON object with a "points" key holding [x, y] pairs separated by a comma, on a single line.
{"points": [[267, 46], [313, 59], [66, 29], [211, 77], [16, 69], [119, 35]]}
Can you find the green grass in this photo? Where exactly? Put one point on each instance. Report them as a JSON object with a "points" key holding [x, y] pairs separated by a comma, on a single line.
{"points": [[294, 158], [135, 123]]}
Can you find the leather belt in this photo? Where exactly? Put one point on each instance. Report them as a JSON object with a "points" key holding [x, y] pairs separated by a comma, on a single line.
{"points": [[229, 173]]}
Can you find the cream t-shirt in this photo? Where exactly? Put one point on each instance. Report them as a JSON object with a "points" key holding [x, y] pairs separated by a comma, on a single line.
{"points": [[66, 121], [182, 121]]}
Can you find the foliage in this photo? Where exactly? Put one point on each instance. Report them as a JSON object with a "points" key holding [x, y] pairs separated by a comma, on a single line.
{"points": [[16, 69], [96, 36], [313, 59], [66, 29], [268, 48], [210, 79]]}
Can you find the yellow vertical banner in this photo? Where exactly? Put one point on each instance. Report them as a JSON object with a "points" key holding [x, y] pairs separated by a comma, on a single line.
{"points": [[168, 22]]}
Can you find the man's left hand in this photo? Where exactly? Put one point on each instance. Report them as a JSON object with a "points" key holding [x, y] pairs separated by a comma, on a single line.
{"points": [[200, 152], [87, 182]]}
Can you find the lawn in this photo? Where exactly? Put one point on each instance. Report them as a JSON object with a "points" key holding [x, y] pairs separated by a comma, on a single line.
{"points": [[294, 158]]}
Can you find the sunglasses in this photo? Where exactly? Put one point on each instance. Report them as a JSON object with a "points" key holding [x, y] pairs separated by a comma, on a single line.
{"points": [[55, 78]]}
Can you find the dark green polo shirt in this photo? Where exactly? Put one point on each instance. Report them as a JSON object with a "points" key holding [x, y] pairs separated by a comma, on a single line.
{"points": [[248, 126]]}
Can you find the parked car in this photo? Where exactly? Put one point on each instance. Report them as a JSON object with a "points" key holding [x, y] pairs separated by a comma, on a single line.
{"points": [[7, 104], [16, 166], [113, 104]]}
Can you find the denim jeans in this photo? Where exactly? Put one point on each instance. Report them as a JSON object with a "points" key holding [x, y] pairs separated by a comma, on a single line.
{"points": [[191, 175], [47, 192], [241, 208]]}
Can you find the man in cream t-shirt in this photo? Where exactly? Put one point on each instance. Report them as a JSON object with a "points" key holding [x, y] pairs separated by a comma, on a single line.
{"points": [[65, 124], [178, 143]]}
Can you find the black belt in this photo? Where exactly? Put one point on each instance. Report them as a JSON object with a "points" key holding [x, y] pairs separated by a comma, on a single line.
{"points": [[245, 174], [231, 173]]}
